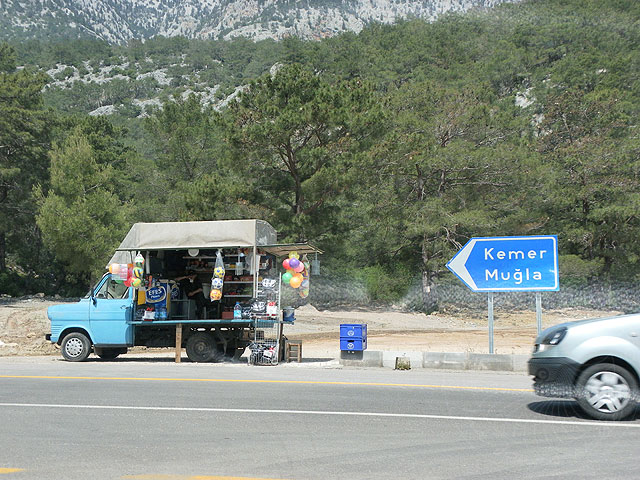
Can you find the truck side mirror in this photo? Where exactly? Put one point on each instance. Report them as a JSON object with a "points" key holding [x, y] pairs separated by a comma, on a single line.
{"points": [[92, 295]]}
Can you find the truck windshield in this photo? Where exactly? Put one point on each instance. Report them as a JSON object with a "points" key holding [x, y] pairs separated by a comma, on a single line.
{"points": [[110, 289]]}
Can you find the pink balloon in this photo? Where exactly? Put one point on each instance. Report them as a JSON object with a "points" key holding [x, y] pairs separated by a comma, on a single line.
{"points": [[299, 268]]}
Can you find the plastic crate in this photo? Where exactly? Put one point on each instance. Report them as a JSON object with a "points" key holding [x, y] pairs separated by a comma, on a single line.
{"points": [[355, 344], [353, 330]]}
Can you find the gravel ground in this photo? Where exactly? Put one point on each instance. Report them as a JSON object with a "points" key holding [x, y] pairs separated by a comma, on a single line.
{"points": [[23, 324]]}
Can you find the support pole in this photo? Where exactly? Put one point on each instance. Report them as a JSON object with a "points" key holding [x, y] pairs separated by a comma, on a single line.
{"points": [[178, 342], [490, 311], [539, 311]]}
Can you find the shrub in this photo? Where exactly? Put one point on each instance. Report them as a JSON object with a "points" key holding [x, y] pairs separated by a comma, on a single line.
{"points": [[12, 284], [383, 285]]}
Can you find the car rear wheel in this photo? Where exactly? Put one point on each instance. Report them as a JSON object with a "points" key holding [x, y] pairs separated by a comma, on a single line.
{"points": [[606, 391], [76, 347]]}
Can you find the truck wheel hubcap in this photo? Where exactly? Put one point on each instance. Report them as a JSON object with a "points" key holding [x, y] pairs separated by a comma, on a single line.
{"points": [[202, 348], [74, 347], [607, 392]]}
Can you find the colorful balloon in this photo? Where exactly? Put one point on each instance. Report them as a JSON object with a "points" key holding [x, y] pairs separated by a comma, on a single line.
{"points": [[136, 282], [299, 268], [293, 263], [296, 280], [287, 277], [127, 282], [139, 260], [294, 255], [138, 272], [285, 264]]}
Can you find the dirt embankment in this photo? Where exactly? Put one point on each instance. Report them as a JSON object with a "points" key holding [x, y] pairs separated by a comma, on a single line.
{"points": [[23, 324]]}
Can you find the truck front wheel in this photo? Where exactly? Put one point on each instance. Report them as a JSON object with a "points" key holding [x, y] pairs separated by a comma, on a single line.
{"points": [[201, 347], [76, 347]]}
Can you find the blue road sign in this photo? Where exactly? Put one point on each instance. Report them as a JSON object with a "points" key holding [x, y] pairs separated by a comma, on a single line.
{"points": [[498, 264]]}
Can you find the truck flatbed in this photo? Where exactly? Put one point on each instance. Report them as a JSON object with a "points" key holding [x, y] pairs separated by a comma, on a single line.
{"points": [[209, 321]]}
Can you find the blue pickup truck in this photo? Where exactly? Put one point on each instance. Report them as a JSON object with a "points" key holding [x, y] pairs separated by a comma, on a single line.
{"points": [[112, 317], [106, 323]]}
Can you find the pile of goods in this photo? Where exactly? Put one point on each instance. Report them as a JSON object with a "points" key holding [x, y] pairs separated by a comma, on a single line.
{"points": [[131, 274]]}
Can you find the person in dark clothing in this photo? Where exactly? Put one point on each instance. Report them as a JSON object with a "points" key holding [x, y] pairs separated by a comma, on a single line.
{"points": [[191, 285]]}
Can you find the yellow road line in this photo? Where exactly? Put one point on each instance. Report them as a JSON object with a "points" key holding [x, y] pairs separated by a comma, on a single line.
{"points": [[299, 382], [10, 470], [190, 477]]}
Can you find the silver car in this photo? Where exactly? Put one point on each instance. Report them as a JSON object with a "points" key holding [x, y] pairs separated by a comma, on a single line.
{"points": [[596, 361]]}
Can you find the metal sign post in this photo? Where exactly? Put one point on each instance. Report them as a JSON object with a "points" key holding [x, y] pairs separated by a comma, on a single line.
{"points": [[490, 314], [539, 311], [508, 264]]}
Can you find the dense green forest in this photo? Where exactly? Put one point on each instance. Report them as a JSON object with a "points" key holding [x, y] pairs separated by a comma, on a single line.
{"points": [[388, 149]]}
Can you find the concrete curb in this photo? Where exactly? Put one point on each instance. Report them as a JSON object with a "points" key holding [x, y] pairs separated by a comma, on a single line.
{"points": [[439, 360]]}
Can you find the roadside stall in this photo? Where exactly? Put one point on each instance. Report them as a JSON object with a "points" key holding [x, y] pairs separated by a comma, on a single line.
{"points": [[212, 287]]}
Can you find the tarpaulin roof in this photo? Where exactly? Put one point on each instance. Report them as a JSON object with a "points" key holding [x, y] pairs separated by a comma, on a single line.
{"points": [[204, 235], [209, 234]]}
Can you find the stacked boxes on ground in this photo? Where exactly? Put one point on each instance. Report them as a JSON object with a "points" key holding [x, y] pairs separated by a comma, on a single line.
{"points": [[353, 336]]}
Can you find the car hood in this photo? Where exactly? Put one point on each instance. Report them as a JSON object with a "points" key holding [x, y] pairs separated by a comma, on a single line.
{"points": [[578, 323]]}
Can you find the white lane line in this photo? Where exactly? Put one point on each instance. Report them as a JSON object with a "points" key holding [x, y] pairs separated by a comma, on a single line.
{"points": [[321, 412]]}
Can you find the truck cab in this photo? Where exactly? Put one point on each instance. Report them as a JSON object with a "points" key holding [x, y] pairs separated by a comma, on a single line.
{"points": [[100, 321]]}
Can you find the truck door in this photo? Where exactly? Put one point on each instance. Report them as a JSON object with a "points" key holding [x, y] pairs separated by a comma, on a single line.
{"points": [[110, 314]]}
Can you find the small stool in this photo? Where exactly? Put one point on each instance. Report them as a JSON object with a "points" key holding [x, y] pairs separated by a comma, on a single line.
{"points": [[293, 348]]}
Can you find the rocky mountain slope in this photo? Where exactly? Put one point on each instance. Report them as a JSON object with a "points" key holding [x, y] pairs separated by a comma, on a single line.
{"points": [[118, 21]]}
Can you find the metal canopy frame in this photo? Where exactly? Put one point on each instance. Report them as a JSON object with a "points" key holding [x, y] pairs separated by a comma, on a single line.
{"points": [[283, 249]]}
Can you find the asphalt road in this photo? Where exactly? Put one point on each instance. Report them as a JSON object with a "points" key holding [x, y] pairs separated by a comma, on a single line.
{"points": [[141, 419]]}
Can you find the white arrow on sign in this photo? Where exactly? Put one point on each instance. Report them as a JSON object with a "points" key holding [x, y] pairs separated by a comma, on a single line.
{"points": [[458, 264]]}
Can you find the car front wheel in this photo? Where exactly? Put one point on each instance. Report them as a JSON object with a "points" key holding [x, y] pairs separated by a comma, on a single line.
{"points": [[606, 391], [76, 347]]}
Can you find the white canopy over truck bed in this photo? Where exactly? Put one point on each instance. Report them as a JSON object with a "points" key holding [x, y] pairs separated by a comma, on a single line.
{"points": [[204, 235]]}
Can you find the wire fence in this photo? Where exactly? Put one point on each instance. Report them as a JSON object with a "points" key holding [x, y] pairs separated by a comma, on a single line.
{"points": [[333, 292]]}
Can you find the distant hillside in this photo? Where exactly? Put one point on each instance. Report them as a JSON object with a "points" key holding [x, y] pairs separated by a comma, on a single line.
{"points": [[118, 21]]}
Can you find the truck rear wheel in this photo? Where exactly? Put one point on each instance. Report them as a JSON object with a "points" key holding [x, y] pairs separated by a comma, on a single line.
{"points": [[76, 347], [201, 347]]}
